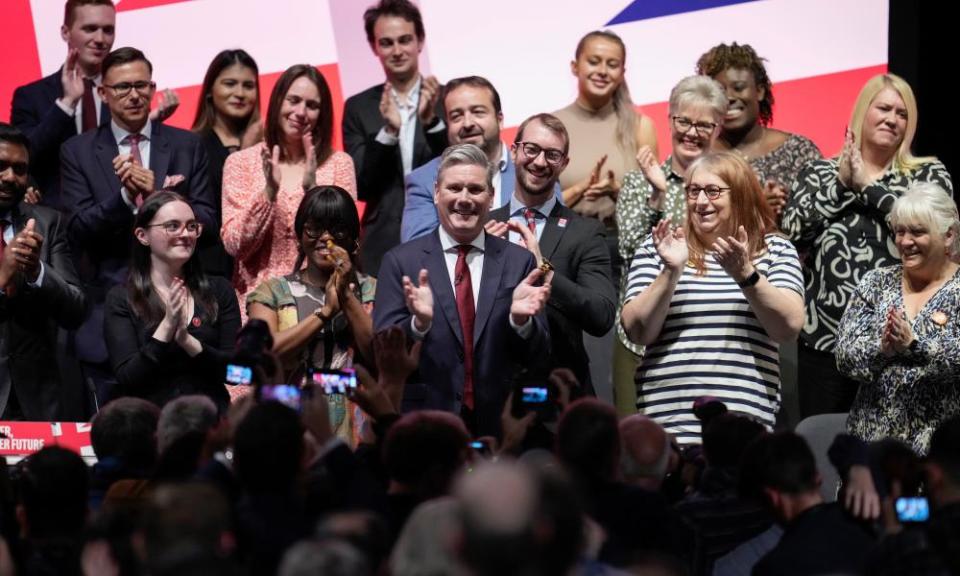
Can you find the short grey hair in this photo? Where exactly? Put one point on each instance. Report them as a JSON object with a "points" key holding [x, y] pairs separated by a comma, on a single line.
{"points": [[929, 205], [699, 91], [183, 415], [466, 155], [633, 470]]}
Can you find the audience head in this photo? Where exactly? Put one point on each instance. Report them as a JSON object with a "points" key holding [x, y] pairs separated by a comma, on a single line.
{"points": [[14, 166], [588, 441], [300, 103], [926, 228], [424, 450], [52, 494], [599, 65], [268, 448], [463, 191], [395, 34], [125, 430], [645, 452], [473, 113], [329, 557], [89, 27], [697, 109], [230, 92], [884, 119], [127, 87], [364, 530], [540, 154], [780, 469], [942, 467], [427, 543], [726, 437], [326, 213], [184, 415], [744, 78]]}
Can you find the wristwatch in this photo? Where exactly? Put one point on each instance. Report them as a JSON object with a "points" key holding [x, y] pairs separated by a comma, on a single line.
{"points": [[750, 280]]}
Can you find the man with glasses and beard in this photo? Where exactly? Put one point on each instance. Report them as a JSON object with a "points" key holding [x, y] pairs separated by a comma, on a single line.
{"points": [[39, 291]]}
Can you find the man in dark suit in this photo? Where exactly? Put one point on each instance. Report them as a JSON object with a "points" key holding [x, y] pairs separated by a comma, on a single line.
{"points": [[39, 291], [582, 296], [391, 128], [107, 173], [66, 103], [470, 351]]}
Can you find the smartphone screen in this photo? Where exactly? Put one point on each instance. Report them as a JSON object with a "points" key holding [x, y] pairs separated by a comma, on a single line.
{"points": [[239, 374], [286, 394], [914, 509], [335, 381], [534, 394]]}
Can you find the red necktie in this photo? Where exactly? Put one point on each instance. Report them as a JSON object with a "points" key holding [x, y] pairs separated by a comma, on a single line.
{"points": [[89, 107], [467, 312], [531, 217], [134, 141]]}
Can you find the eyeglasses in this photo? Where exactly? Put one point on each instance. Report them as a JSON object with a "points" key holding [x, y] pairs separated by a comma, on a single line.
{"points": [[531, 151], [712, 191], [123, 89], [19, 168], [176, 227], [316, 233], [683, 125]]}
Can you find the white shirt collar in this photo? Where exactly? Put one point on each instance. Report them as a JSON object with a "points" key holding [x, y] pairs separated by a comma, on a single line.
{"points": [[413, 96], [448, 243], [544, 209]]}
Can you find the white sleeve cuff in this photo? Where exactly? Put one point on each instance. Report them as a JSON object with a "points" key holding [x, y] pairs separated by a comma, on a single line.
{"points": [[386, 138], [418, 334], [39, 281], [66, 109], [522, 331]]}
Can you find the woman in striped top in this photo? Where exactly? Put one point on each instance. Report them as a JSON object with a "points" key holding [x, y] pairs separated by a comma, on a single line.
{"points": [[712, 300]]}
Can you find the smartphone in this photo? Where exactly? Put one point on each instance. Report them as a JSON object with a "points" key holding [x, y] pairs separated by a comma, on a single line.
{"points": [[534, 397], [912, 509], [286, 394], [335, 381], [239, 374], [482, 448]]}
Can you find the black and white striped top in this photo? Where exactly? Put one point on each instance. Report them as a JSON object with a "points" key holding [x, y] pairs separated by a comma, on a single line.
{"points": [[711, 344]]}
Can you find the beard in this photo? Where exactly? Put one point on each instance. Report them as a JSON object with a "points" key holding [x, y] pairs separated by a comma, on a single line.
{"points": [[11, 193]]}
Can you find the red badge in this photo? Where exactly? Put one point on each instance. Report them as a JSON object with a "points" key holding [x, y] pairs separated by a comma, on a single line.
{"points": [[195, 321]]}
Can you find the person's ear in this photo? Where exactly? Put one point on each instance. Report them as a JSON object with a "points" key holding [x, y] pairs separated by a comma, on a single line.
{"points": [[141, 236]]}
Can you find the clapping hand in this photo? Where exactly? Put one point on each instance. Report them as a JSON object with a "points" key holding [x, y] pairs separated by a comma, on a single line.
{"points": [[138, 180], [733, 254], [429, 93], [389, 111], [175, 307], [419, 300], [310, 154], [654, 175], [897, 333], [496, 228], [776, 196], [671, 245], [852, 172], [71, 79], [33, 196], [528, 298], [602, 185], [529, 240], [26, 247], [167, 104], [271, 171]]}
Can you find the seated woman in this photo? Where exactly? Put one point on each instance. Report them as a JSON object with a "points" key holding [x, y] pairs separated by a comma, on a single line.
{"points": [[711, 300], [900, 335], [171, 329], [835, 218], [264, 184], [319, 315], [776, 156], [227, 120]]}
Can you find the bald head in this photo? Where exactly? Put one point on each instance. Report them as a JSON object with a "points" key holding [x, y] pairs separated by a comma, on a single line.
{"points": [[645, 451]]}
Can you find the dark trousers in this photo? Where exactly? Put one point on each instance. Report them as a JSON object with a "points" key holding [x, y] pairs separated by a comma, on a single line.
{"points": [[822, 388]]}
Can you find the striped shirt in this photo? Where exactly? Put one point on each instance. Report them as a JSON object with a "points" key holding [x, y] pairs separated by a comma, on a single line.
{"points": [[711, 344]]}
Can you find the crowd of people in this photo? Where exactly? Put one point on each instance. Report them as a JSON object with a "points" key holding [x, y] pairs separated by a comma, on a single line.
{"points": [[277, 385]]}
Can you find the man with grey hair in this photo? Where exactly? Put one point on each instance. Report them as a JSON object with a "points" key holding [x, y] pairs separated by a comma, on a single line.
{"points": [[645, 452], [183, 415], [475, 300]]}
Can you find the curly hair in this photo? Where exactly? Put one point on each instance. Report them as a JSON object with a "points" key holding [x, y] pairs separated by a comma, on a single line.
{"points": [[743, 56]]}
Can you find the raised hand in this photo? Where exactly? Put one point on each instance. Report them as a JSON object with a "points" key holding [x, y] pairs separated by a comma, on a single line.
{"points": [[389, 111], [776, 196], [137, 179], [174, 307], [33, 196], [496, 228], [167, 104], [733, 254], [26, 246], [528, 298], [671, 245], [652, 172], [528, 238], [607, 186], [271, 171], [395, 360], [310, 154], [844, 170], [72, 79], [419, 300], [429, 94], [897, 333]]}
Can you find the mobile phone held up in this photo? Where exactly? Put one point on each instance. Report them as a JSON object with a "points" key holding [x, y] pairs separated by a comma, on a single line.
{"points": [[286, 394], [334, 381], [239, 374], [912, 509]]}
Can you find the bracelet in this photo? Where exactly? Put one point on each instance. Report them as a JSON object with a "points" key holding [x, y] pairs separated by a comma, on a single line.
{"points": [[325, 318], [750, 280]]}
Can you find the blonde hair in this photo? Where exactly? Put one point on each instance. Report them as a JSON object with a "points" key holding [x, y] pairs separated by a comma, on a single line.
{"points": [[903, 160], [931, 206]]}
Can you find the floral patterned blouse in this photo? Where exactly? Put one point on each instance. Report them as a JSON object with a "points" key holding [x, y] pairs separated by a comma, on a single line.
{"points": [[908, 395], [785, 161], [259, 233], [841, 235]]}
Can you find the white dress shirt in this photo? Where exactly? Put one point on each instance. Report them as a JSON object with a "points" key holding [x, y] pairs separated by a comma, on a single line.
{"points": [[408, 125]]}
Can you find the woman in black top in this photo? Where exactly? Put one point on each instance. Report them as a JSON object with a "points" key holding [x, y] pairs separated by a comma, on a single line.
{"points": [[227, 120], [171, 329]]}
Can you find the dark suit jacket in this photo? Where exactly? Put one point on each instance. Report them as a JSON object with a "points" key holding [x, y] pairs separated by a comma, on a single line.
{"points": [[582, 298], [380, 172], [30, 318], [36, 114], [498, 351], [101, 227]]}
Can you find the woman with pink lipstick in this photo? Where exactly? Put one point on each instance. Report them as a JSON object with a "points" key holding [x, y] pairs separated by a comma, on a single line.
{"points": [[170, 329], [264, 184], [776, 156], [900, 335], [712, 299], [835, 217]]}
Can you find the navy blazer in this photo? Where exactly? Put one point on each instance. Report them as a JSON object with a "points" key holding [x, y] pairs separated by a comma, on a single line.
{"points": [[101, 226], [47, 127], [499, 352]]}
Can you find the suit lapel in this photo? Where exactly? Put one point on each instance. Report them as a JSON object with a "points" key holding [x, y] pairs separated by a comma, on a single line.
{"points": [[489, 283], [508, 180], [552, 232], [159, 155], [440, 284], [106, 151]]}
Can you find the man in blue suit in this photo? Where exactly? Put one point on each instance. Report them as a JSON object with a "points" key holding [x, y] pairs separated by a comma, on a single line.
{"points": [[107, 173], [471, 352], [473, 115]]}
